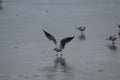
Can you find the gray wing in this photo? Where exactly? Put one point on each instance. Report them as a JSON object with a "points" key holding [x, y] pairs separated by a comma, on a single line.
{"points": [[64, 41], [50, 37]]}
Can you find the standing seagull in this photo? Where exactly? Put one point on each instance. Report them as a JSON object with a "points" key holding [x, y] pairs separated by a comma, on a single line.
{"points": [[118, 26], [62, 42], [112, 38], [82, 28], [119, 29]]}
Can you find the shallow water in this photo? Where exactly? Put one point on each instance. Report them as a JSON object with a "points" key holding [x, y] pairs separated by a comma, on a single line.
{"points": [[25, 52]]}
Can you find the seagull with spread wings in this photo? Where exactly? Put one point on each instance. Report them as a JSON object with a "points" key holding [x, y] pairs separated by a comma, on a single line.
{"points": [[63, 42]]}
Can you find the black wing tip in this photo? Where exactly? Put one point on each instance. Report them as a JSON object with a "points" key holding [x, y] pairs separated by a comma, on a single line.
{"points": [[44, 30], [71, 37]]}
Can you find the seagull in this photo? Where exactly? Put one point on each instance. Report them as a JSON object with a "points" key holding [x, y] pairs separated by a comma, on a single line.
{"points": [[63, 42], [112, 38], [119, 29], [82, 28], [118, 26]]}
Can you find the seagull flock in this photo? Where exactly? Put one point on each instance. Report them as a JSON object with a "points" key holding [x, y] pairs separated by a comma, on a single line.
{"points": [[66, 40]]}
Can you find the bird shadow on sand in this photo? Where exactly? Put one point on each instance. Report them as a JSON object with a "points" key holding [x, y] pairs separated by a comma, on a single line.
{"points": [[81, 37]]}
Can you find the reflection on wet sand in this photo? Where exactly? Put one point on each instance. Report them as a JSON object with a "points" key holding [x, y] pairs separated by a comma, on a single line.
{"points": [[82, 36], [60, 70], [59, 61], [113, 50], [112, 47]]}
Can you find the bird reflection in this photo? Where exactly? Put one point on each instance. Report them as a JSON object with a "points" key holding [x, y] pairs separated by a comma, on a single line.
{"points": [[60, 67], [113, 50], [82, 36], [112, 47], [59, 61]]}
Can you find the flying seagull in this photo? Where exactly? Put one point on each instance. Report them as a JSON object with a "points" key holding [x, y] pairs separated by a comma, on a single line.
{"points": [[82, 28], [112, 38], [63, 42]]}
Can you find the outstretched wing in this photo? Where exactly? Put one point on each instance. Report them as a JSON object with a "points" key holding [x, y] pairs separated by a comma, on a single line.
{"points": [[50, 37], [64, 41]]}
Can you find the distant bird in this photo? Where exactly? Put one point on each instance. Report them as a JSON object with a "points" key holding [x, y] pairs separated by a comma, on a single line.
{"points": [[118, 26], [112, 38], [63, 42], [119, 29], [82, 28]]}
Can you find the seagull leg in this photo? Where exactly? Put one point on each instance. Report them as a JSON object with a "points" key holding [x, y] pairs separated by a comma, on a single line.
{"points": [[113, 43]]}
